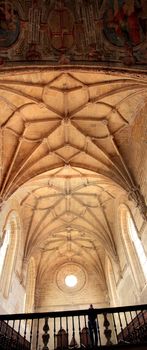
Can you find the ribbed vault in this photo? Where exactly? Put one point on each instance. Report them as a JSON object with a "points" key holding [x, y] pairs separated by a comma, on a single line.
{"points": [[66, 156]]}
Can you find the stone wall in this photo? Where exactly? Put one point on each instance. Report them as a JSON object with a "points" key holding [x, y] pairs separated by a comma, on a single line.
{"points": [[14, 302]]}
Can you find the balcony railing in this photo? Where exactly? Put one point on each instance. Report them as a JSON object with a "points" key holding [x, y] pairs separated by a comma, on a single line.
{"points": [[70, 329]]}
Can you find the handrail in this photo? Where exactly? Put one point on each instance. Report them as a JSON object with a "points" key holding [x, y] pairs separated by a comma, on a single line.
{"points": [[53, 314]]}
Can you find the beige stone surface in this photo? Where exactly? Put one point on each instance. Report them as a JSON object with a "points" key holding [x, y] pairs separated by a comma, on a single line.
{"points": [[73, 148]]}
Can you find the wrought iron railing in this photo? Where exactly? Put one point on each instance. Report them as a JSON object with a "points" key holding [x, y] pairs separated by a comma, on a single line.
{"points": [[70, 329]]}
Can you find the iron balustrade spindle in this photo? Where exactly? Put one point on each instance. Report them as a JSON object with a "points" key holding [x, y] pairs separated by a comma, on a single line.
{"points": [[98, 330], [121, 327], [45, 336], [31, 331], [7, 339], [54, 333], [73, 331], [61, 334], [107, 330], [86, 328], [25, 331], [18, 333], [79, 324], [67, 331], [115, 328], [13, 325], [37, 334]]}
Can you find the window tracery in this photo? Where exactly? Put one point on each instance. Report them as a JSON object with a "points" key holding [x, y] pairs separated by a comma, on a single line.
{"points": [[4, 247], [8, 253], [133, 248], [138, 245]]}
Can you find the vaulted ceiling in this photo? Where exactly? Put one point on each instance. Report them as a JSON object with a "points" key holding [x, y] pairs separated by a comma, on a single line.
{"points": [[70, 148]]}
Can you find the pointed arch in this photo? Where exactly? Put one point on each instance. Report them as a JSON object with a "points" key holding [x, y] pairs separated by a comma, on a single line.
{"points": [[9, 249], [128, 230]]}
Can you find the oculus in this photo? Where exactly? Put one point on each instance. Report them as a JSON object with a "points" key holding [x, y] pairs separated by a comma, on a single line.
{"points": [[71, 281]]}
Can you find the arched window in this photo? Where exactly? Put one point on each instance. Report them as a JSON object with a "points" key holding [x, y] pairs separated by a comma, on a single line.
{"points": [[4, 247], [8, 253], [138, 244], [134, 248]]}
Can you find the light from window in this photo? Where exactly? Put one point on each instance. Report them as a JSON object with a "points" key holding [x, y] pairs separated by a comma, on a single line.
{"points": [[3, 248], [71, 281], [138, 246]]}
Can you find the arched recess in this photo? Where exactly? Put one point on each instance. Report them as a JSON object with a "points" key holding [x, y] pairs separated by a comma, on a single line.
{"points": [[30, 286], [111, 283], [11, 239], [127, 224]]}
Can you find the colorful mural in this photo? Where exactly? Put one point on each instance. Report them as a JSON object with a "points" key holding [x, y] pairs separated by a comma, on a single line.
{"points": [[9, 24], [124, 22], [61, 27], [97, 32]]}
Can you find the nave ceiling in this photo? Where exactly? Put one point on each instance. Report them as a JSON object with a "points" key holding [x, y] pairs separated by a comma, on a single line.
{"points": [[72, 144]]}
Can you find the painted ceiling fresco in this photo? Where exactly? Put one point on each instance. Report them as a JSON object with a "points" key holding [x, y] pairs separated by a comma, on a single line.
{"points": [[92, 32]]}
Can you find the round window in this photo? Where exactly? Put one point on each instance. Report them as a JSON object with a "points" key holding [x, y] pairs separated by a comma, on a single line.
{"points": [[71, 281]]}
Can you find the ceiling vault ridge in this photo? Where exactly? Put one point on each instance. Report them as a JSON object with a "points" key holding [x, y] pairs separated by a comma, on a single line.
{"points": [[16, 152], [117, 90], [15, 110], [89, 139], [18, 92], [104, 241], [31, 236], [96, 262], [24, 162], [71, 147], [130, 95]]}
